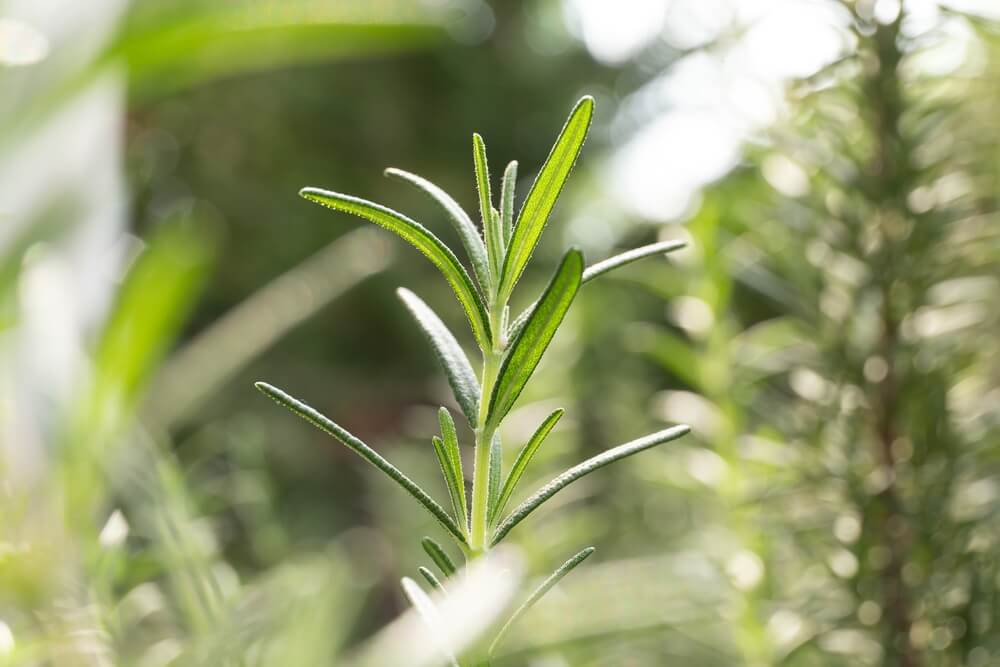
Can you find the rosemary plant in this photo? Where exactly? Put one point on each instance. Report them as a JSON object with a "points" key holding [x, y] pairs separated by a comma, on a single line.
{"points": [[511, 348]]}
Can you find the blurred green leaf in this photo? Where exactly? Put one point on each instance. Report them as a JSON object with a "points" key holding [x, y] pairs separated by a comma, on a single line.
{"points": [[439, 556]]}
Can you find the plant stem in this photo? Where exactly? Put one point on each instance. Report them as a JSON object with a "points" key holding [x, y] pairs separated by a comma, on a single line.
{"points": [[484, 435]]}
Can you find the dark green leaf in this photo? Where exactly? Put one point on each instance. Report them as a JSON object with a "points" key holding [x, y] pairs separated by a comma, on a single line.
{"points": [[544, 191], [539, 592], [457, 368], [438, 555], [429, 577], [420, 238], [460, 220], [585, 468], [524, 458], [527, 349], [324, 424]]}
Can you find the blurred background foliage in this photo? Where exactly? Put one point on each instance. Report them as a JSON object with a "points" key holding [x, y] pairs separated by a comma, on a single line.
{"points": [[830, 333]]}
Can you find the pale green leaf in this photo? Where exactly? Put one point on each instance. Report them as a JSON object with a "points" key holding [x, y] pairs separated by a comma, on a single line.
{"points": [[524, 458], [582, 469], [526, 350], [507, 201], [424, 241], [495, 474], [460, 220], [544, 192], [539, 592], [449, 353], [325, 424], [491, 226]]}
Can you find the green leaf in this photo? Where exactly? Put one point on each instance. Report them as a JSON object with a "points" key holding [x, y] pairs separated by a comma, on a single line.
{"points": [[631, 256], [429, 577], [439, 556], [601, 268], [457, 368], [324, 424], [460, 220], [495, 473], [451, 465], [544, 191], [491, 225], [420, 238], [448, 472], [527, 349], [539, 592], [507, 201], [524, 458], [585, 468]]}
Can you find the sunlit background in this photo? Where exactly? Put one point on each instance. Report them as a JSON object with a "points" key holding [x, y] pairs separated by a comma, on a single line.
{"points": [[830, 332]]}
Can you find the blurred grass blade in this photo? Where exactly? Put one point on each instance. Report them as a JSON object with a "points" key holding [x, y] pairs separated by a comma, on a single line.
{"points": [[526, 350], [420, 238], [539, 592], [630, 256], [429, 613], [366, 452], [429, 577], [524, 458], [507, 201], [457, 368], [454, 455], [601, 268], [466, 229], [214, 355], [544, 191], [495, 474], [585, 468], [491, 226], [439, 556]]}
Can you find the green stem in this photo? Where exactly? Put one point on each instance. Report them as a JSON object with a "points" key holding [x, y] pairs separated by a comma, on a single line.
{"points": [[478, 543]]}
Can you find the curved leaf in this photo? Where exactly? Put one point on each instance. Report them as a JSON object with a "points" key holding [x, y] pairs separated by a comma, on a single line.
{"points": [[585, 468], [439, 556], [601, 268], [460, 220], [544, 191], [630, 256], [457, 368], [524, 458], [324, 424], [527, 349], [420, 238], [539, 592]]}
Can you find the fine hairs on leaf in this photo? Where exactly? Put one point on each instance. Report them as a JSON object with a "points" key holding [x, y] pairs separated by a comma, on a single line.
{"points": [[488, 388]]}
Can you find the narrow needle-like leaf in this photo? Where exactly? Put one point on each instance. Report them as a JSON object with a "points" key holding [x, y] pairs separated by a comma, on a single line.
{"points": [[461, 221], [424, 241], [452, 484], [585, 468], [527, 349], [496, 473], [429, 613], [430, 578], [544, 191], [452, 358], [601, 268], [324, 424], [630, 256], [453, 456], [524, 458], [539, 592], [507, 200], [437, 554], [491, 225]]}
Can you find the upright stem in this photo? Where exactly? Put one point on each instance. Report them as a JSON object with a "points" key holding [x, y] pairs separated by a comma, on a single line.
{"points": [[484, 435]]}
